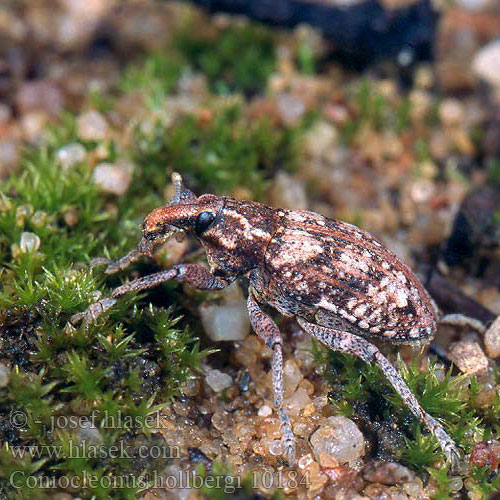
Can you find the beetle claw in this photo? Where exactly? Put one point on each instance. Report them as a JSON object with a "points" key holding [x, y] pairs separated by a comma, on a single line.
{"points": [[454, 456]]}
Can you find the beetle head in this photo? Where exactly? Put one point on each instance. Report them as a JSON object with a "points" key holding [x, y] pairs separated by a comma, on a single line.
{"points": [[185, 212]]}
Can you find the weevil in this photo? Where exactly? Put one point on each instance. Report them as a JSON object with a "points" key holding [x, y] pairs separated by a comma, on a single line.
{"points": [[342, 285]]}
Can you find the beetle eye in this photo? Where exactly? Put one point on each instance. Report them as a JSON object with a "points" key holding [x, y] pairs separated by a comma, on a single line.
{"points": [[203, 222]]}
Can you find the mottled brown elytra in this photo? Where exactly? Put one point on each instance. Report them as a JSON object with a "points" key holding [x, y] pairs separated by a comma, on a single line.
{"points": [[340, 283]]}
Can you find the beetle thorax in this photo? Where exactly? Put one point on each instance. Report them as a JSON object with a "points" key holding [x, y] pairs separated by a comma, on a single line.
{"points": [[237, 241]]}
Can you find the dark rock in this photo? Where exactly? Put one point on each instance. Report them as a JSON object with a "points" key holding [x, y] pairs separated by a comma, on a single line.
{"points": [[360, 33], [475, 231]]}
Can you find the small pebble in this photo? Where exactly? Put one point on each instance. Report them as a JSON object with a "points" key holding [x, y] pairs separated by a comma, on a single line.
{"points": [[291, 108], [492, 339], [23, 212], [70, 216], [320, 138], [414, 488], [305, 461], [328, 461], [171, 252], [41, 95], [4, 375], [39, 218], [220, 420], [451, 112], [264, 411], [486, 63], [340, 438], [299, 400], [29, 242], [468, 356], [276, 447], [113, 178], [92, 126], [218, 381], [10, 154], [379, 492], [71, 155], [33, 125], [292, 377], [227, 321], [456, 484], [389, 473], [486, 454], [191, 387]]}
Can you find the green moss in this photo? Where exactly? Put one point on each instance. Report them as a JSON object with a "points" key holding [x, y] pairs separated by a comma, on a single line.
{"points": [[239, 59], [228, 151], [372, 108], [420, 450], [155, 78], [443, 483], [361, 391], [306, 58], [132, 360], [494, 171], [484, 481]]}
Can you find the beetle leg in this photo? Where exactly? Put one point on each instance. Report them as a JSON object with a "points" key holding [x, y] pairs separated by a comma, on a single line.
{"points": [[463, 321], [267, 330], [94, 311], [115, 266], [192, 274], [352, 344]]}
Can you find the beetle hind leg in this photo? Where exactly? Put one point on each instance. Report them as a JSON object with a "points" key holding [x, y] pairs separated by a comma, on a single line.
{"points": [[352, 344], [267, 330]]}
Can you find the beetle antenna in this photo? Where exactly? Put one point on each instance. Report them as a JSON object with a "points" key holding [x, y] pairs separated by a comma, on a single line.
{"points": [[177, 182]]}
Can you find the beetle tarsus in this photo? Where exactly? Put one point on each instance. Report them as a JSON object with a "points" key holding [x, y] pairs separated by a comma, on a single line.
{"points": [[287, 436], [94, 311], [100, 261], [453, 454], [115, 266]]}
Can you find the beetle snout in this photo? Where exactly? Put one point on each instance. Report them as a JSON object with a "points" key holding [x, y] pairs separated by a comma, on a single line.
{"points": [[154, 235]]}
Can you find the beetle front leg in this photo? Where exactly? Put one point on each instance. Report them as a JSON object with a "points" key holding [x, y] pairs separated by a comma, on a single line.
{"points": [[191, 274], [352, 344], [267, 330], [115, 266]]}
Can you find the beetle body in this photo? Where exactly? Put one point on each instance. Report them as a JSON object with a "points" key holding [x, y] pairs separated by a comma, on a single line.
{"points": [[341, 284], [303, 264]]}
